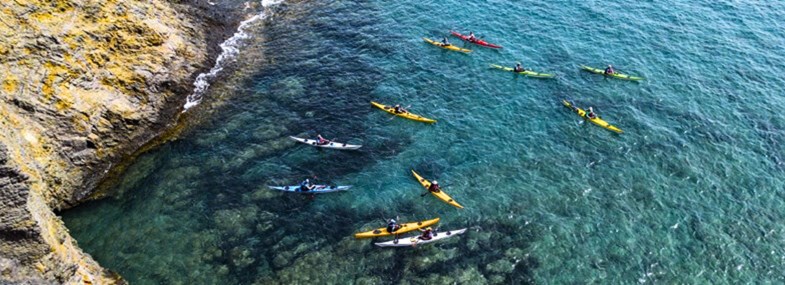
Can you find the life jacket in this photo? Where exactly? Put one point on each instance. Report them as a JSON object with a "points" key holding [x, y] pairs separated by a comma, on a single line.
{"points": [[428, 234], [391, 227]]}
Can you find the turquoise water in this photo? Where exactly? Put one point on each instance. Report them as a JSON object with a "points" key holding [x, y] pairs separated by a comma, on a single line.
{"points": [[692, 192]]}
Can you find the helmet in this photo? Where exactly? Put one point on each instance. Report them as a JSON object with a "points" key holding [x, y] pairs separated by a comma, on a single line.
{"points": [[435, 182], [392, 220], [428, 229], [610, 65], [307, 180]]}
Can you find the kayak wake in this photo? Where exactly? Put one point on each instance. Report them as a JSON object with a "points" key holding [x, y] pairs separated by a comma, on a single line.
{"points": [[229, 51]]}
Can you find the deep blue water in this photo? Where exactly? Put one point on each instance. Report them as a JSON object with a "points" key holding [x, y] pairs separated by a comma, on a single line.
{"points": [[692, 192]]}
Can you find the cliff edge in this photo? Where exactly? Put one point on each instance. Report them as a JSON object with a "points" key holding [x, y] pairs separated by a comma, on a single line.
{"points": [[83, 84]]}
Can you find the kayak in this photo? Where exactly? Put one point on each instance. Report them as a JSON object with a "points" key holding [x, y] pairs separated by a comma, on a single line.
{"points": [[596, 120], [318, 190], [332, 145], [405, 228], [614, 75], [525, 72], [477, 41], [410, 116], [441, 195], [449, 47], [415, 240]]}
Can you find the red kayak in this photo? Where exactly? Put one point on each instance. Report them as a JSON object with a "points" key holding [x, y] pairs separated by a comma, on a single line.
{"points": [[477, 41]]}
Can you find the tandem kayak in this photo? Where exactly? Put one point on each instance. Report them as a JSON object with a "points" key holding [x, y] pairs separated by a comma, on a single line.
{"points": [[332, 145], [410, 116], [525, 72], [415, 240], [615, 75], [318, 190], [407, 227], [596, 121], [441, 195], [477, 41], [449, 47]]}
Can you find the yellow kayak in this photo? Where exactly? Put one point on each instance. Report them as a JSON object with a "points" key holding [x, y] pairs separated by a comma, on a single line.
{"points": [[407, 227], [596, 120], [410, 116], [441, 195], [449, 47]]}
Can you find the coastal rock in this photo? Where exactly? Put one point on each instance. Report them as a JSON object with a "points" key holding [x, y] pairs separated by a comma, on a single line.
{"points": [[83, 85]]}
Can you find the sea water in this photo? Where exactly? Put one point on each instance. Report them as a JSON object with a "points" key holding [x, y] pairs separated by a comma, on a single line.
{"points": [[691, 192]]}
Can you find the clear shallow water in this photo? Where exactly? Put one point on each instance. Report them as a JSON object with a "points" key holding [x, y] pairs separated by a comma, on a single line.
{"points": [[691, 193]]}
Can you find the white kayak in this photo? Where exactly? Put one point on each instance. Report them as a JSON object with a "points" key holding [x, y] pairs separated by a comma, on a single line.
{"points": [[317, 190], [415, 240], [332, 145]]}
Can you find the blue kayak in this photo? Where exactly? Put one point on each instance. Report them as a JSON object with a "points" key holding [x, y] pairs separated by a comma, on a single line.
{"points": [[318, 190]]}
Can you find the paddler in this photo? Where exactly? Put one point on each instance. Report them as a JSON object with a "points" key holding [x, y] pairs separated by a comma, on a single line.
{"points": [[434, 187], [392, 226], [472, 38], [320, 140], [590, 113], [427, 234], [445, 42], [398, 109], [518, 68], [609, 70], [306, 185]]}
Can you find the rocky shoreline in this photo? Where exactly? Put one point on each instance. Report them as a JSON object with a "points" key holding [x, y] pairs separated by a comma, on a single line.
{"points": [[85, 85]]}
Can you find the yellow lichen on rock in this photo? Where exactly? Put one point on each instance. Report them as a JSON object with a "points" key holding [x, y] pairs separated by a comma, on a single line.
{"points": [[10, 83]]}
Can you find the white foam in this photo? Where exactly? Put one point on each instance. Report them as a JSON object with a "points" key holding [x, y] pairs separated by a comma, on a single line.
{"points": [[229, 51]]}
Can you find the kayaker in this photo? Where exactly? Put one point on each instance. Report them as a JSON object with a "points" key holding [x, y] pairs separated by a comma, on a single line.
{"points": [[398, 109], [518, 68], [472, 38], [320, 140], [427, 234], [392, 226], [445, 42], [434, 187], [306, 185], [590, 113], [609, 70]]}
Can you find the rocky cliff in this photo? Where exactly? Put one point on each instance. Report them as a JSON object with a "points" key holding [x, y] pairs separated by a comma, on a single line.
{"points": [[83, 84]]}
